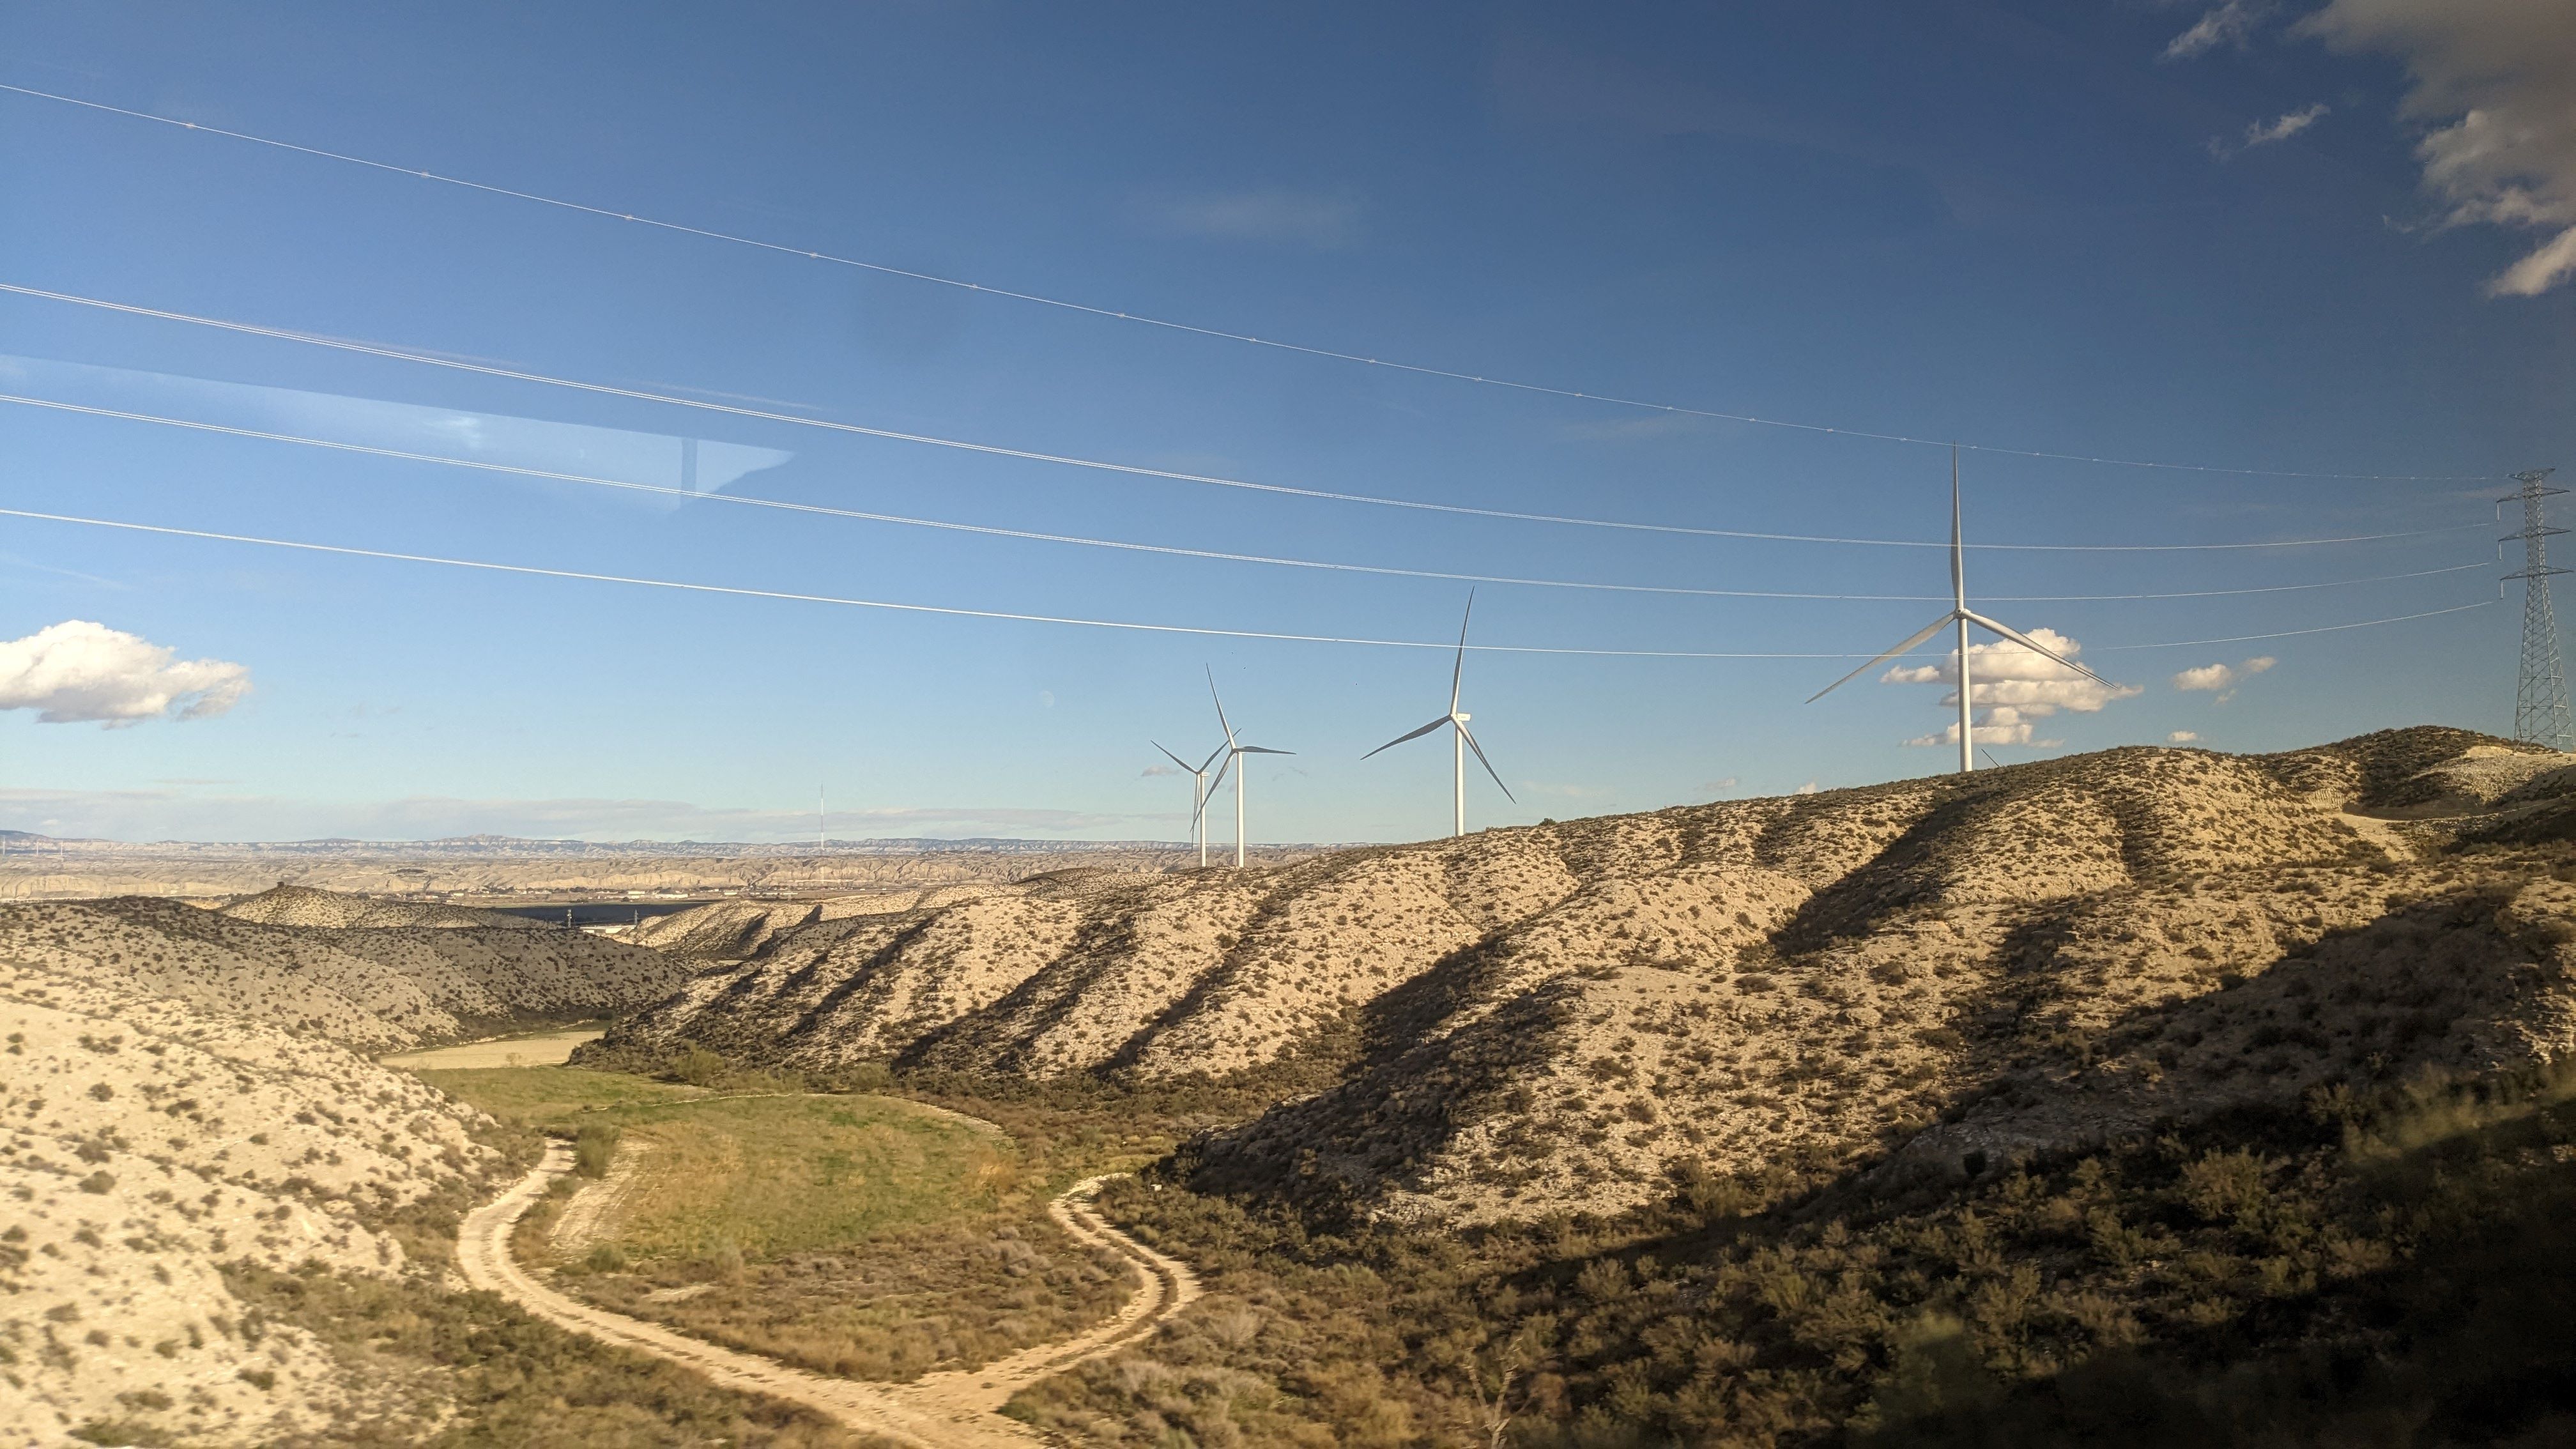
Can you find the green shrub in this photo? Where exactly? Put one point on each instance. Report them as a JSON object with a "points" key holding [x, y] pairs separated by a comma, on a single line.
{"points": [[594, 1147]]}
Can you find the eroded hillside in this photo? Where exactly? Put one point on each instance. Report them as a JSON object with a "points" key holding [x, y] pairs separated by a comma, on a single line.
{"points": [[145, 1142], [287, 905], [374, 988], [1948, 971]]}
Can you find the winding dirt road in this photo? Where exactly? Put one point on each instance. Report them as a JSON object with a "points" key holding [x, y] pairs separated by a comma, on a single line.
{"points": [[953, 1410]]}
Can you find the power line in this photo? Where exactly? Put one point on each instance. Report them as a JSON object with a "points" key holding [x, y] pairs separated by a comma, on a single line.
{"points": [[746, 500], [1141, 471], [1217, 333], [1194, 630]]}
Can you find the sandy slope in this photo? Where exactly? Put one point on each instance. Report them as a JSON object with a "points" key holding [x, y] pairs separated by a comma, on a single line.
{"points": [[380, 989], [1566, 1016], [142, 1142], [286, 905]]}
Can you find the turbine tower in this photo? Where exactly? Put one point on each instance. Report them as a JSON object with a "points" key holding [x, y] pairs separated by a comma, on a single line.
{"points": [[1198, 795], [1234, 751], [1460, 741], [1963, 616], [2540, 694]]}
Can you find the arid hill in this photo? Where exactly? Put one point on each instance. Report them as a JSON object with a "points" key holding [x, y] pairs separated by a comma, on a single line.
{"points": [[375, 989], [143, 1143], [1937, 975], [286, 905]]}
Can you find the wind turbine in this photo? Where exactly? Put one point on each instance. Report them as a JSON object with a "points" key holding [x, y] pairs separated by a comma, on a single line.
{"points": [[1460, 741], [1234, 751], [1961, 615], [1198, 795]]}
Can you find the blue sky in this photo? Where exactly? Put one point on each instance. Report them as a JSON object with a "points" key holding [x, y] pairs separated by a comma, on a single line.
{"points": [[2047, 228]]}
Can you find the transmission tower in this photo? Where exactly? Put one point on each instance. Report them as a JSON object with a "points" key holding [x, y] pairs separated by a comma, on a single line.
{"points": [[2540, 696]]}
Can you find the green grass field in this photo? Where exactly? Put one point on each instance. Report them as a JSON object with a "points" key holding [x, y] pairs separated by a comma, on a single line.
{"points": [[759, 1175], [854, 1234]]}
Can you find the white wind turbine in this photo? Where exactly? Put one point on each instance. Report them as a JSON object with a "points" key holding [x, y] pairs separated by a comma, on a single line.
{"points": [[1961, 615], [1198, 774], [1460, 741], [1234, 751]]}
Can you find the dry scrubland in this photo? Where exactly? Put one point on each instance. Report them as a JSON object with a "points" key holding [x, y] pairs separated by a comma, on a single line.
{"points": [[1938, 977], [2144, 1098], [219, 1224], [144, 1143], [378, 989]]}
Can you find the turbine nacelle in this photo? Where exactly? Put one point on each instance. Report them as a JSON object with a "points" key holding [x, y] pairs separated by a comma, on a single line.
{"points": [[1456, 720], [1962, 616]]}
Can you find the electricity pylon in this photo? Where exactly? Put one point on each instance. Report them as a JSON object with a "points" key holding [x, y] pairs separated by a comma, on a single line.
{"points": [[2540, 696]]}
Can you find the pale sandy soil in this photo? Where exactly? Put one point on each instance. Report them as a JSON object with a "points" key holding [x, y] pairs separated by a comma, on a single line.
{"points": [[1564, 1017], [376, 989], [142, 1143], [939, 1411], [537, 1049]]}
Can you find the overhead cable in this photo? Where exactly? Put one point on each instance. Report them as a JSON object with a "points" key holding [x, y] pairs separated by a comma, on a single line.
{"points": [[1026, 618], [1141, 471], [747, 500], [1217, 333]]}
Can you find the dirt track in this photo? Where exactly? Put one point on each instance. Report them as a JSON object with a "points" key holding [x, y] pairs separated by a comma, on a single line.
{"points": [[953, 1410]]}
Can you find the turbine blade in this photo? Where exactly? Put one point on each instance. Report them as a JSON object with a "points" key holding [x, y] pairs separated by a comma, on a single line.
{"points": [[1260, 750], [1458, 671], [1958, 550], [1211, 759], [1175, 759], [1927, 632], [1220, 706], [2027, 642], [1210, 797], [1465, 734], [1410, 735]]}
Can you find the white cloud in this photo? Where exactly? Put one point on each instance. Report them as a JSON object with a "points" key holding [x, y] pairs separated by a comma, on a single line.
{"points": [[1718, 787], [2181, 737], [2282, 127], [2012, 686], [2222, 676], [1277, 215], [2495, 80], [1808, 788], [1153, 772], [2229, 24], [78, 672]]}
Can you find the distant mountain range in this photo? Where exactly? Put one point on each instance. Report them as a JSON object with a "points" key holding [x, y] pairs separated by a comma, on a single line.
{"points": [[38, 867]]}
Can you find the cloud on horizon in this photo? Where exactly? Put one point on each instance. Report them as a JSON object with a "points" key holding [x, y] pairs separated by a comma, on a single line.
{"points": [[79, 672]]}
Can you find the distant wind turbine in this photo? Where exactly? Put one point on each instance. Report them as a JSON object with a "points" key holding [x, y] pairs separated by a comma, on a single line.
{"points": [[1234, 751], [1198, 774], [1961, 615], [1460, 741]]}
